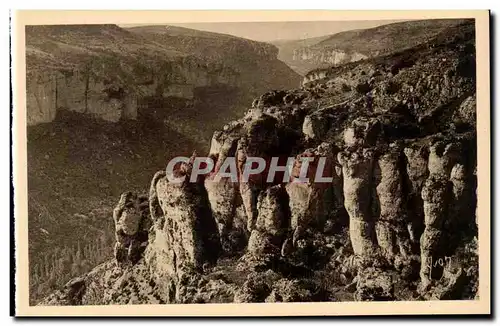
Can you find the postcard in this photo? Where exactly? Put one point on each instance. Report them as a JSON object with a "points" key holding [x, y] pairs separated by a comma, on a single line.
{"points": [[251, 163]]}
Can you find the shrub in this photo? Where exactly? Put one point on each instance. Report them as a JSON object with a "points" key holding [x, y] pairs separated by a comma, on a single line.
{"points": [[363, 88], [392, 87], [346, 88]]}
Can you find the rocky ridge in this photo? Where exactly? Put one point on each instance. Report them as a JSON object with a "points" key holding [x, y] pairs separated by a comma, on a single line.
{"points": [[396, 223]]}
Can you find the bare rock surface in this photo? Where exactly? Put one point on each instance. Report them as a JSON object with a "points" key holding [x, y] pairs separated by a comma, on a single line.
{"points": [[132, 223]]}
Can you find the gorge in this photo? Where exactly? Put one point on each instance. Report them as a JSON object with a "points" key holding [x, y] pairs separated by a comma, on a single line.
{"points": [[399, 134], [106, 105]]}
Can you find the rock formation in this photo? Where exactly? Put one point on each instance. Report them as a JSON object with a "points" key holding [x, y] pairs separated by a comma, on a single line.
{"points": [[392, 224], [314, 201], [132, 223], [271, 226], [185, 237], [357, 171], [394, 221]]}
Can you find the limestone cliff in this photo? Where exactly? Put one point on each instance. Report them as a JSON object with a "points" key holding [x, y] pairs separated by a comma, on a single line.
{"points": [[112, 72], [397, 222], [326, 57], [324, 51]]}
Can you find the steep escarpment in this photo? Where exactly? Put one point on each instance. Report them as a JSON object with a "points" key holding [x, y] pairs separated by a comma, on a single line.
{"points": [[321, 52], [114, 73], [396, 135], [256, 63]]}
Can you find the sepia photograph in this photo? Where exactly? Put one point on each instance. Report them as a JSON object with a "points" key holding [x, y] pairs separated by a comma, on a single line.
{"points": [[195, 164]]}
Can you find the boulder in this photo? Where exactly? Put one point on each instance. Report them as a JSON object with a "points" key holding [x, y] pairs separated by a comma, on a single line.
{"points": [[465, 115], [132, 223], [362, 132]]}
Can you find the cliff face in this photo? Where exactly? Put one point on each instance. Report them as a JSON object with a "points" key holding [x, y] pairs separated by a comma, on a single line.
{"points": [[397, 222], [49, 91], [322, 52], [111, 72], [326, 57]]}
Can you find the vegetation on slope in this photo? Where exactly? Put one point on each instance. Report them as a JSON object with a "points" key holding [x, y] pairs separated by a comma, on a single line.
{"points": [[77, 168]]}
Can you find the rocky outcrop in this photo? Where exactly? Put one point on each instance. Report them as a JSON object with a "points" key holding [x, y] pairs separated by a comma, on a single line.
{"points": [[392, 224], [316, 195], [378, 204], [259, 139], [223, 190], [132, 223], [357, 171], [317, 124], [440, 195], [41, 99], [271, 226], [185, 234], [417, 172]]}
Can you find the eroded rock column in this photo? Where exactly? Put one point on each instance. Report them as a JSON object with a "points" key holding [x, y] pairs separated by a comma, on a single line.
{"points": [[260, 139], [272, 223], [223, 193], [314, 200], [392, 235], [417, 155], [436, 196], [358, 162], [132, 222], [357, 168], [464, 197], [188, 238]]}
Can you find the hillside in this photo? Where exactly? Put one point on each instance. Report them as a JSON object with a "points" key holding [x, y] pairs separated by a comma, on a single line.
{"points": [[398, 133], [107, 107], [320, 52], [77, 166]]}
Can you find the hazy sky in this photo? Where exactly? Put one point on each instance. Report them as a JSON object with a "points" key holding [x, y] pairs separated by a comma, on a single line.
{"points": [[271, 31]]}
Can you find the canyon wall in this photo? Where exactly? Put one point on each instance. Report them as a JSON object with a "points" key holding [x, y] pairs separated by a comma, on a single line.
{"points": [[85, 91], [321, 52], [329, 57], [110, 72]]}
